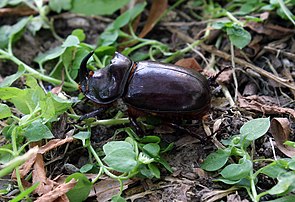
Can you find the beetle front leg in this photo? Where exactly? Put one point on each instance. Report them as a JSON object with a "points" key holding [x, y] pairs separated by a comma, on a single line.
{"points": [[135, 124], [93, 113]]}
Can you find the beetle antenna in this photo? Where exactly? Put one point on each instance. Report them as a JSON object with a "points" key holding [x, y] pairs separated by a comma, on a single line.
{"points": [[83, 71]]}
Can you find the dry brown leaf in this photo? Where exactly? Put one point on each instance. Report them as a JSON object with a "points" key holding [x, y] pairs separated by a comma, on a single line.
{"points": [[225, 77], [17, 11], [39, 175], [53, 144], [62, 198], [157, 10], [57, 192], [189, 63], [26, 167], [106, 188], [256, 103], [280, 130]]}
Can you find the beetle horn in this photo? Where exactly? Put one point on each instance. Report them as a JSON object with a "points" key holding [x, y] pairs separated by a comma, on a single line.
{"points": [[83, 71]]}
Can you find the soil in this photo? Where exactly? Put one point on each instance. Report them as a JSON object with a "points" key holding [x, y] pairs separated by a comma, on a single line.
{"points": [[187, 182]]}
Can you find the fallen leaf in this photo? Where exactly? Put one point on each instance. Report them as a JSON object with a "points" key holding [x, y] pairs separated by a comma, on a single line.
{"points": [[280, 130], [57, 192], [235, 198], [53, 144], [22, 10], [157, 10], [39, 175], [106, 188], [225, 76], [217, 124], [257, 103], [189, 63], [26, 167]]}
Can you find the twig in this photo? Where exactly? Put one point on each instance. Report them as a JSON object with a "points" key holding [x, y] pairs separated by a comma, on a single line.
{"points": [[226, 56], [284, 53], [282, 81]]}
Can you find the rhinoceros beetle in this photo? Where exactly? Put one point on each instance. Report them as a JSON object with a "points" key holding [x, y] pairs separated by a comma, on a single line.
{"points": [[147, 87]]}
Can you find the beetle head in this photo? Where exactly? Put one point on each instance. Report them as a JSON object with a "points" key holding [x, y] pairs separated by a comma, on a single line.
{"points": [[107, 84]]}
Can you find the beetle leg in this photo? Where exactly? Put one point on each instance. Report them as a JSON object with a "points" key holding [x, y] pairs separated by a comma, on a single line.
{"points": [[135, 124], [93, 113]]}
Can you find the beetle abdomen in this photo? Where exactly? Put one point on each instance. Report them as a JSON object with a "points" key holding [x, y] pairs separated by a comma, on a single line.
{"points": [[157, 87]]}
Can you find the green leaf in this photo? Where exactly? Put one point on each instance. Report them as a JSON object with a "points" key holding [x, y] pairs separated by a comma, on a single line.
{"points": [[290, 143], [154, 170], [86, 168], [10, 92], [227, 181], [29, 99], [79, 33], [255, 128], [60, 104], [114, 145], [4, 111], [238, 36], [273, 169], [5, 156], [104, 50], [83, 136], [291, 164], [58, 6], [150, 139], [98, 7], [286, 184], [47, 108], [165, 164], [72, 58], [221, 24], [37, 131], [242, 182], [12, 33], [152, 149], [290, 198], [237, 171], [81, 190], [143, 170], [118, 198], [12, 78], [36, 24], [216, 160], [71, 41], [110, 35], [121, 160], [120, 156], [3, 3], [49, 55]]}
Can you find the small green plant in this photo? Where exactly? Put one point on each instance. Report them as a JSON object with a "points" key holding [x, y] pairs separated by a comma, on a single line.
{"points": [[244, 174], [132, 157], [238, 36]]}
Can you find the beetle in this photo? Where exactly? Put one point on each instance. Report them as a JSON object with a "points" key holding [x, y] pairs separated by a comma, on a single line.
{"points": [[147, 87]]}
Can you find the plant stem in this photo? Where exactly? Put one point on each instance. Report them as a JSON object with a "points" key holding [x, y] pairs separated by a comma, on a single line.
{"points": [[35, 73], [110, 122], [15, 152], [7, 150], [232, 18]]}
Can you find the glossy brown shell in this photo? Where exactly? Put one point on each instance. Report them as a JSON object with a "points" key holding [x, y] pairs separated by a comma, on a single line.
{"points": [[160, 88]]}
